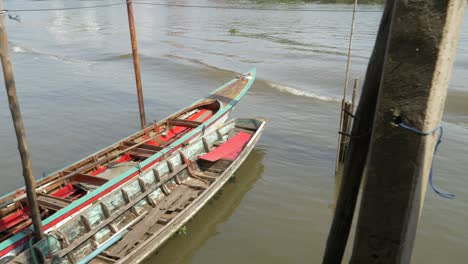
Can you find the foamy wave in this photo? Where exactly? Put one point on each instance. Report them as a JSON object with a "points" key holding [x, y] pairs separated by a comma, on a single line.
{"points": [[297, 92], [23, 49], [19, 49]]}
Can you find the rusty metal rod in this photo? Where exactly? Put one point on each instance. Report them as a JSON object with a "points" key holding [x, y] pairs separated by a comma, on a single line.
{"points": [[136, 62], [19, 129]]}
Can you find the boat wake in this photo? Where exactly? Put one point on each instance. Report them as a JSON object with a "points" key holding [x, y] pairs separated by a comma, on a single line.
{"points": [[17, 48], [301, 93]]}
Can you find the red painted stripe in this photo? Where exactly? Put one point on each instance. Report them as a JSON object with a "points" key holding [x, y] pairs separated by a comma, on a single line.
{"points": [[13, 246]]}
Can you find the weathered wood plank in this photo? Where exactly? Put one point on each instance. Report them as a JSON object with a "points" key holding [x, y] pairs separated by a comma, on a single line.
{"points": [[93, 180], [139, 154], [129, 205], [105, 258], [51, 202], [132, 237], [144, 146], [183, 123], [182, 201], [204, 176]]}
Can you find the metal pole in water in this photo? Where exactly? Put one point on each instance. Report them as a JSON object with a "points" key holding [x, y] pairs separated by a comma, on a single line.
{"points": [[345, 89], [136, 62], [19, 129], [358, 147]]}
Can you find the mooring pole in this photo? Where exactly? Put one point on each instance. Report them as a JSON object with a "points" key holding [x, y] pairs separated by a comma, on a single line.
{"points": [[345, 90], [19, 128], [356, 156], [355, 90], [136, 62], [417, 69]]}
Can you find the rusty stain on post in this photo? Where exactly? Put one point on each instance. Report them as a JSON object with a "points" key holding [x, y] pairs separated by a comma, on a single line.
{"points": [[136, 62], [19, 129]]}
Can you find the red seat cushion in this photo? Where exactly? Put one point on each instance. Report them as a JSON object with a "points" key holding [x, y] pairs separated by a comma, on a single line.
{"points": [[229, 149]]}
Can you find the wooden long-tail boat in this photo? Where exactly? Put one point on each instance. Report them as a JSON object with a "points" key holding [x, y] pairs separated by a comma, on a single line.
{"points": [[74, 187], [128, 224]]}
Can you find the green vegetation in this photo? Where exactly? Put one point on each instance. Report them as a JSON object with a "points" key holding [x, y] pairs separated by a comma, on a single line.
{"points": [[233, 31], [182, 231]]}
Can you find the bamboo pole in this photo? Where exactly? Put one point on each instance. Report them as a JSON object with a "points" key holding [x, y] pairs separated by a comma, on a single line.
{"points": [[358, 146], [345, 89], [19, 129], [416, 72], [136, 62]]}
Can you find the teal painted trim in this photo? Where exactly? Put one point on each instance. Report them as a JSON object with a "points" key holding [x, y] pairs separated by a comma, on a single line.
{"points": [[103, 247], [117, 179]]}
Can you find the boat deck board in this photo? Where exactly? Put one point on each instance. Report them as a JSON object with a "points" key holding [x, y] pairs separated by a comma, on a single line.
{"points": [[139, 230]]}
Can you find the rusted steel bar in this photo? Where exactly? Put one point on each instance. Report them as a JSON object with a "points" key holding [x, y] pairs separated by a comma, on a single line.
{"points": [[136, 62], [19, 129]]}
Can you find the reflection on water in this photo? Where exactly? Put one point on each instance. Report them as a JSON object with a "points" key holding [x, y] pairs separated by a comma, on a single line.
{"points": [[181, 248]]}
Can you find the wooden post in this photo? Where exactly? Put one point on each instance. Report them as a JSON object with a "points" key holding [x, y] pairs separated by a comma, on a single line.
{"points": [[353, 99], [136, 62], [417, 68], [345, 128], [19, 129], [358, 146]]}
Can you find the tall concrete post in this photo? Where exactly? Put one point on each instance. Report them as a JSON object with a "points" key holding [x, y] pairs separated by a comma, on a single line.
{"points": [[417, 69]]}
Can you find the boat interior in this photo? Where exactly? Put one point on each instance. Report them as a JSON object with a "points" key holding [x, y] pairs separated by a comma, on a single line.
{"points": [[142, 207], [60, 189]]}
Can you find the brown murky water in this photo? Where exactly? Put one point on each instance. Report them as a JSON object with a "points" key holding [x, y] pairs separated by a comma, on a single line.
{"points": [[76, 90]]}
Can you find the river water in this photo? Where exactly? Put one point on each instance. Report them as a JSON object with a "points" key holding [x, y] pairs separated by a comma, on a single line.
{"points": [[76, 88]]}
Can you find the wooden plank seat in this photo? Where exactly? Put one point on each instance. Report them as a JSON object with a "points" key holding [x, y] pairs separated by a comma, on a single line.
{"points": [[140, 154], [52, 202], [87, 179], [145, 146], [183, 123]]}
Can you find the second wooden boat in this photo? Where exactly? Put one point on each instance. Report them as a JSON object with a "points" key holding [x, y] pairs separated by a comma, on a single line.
{"points": [[131, 222]]}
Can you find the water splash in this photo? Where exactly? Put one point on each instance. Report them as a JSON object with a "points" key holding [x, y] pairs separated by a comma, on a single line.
{"points": [[19, 49], [301, 93]]}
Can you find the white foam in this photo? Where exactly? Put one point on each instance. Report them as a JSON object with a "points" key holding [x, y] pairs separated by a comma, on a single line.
{"points": [[19, 49], [298, 92]]}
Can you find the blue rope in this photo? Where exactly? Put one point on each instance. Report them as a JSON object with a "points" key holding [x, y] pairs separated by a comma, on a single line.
{"points": [[439, 140]]}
